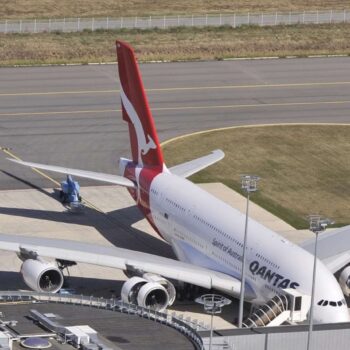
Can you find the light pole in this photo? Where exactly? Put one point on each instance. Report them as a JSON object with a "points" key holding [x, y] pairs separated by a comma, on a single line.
{"points": [[213, 304], [317, 225], [249, 184]]}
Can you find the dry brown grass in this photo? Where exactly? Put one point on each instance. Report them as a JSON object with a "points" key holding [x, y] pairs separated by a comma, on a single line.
{"points": [[176, 44], [118, 8], [304, 169]]}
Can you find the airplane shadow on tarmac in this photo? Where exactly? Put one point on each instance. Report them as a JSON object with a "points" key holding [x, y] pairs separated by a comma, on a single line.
{"points": [[115, 226], [118, 232], [98, 287]]}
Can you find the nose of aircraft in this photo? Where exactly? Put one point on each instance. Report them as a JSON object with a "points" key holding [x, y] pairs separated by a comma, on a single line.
{"points": [[330, 314]]}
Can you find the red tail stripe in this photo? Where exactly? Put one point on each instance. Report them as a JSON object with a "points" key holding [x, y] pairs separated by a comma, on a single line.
{"points": [[136, 110]]}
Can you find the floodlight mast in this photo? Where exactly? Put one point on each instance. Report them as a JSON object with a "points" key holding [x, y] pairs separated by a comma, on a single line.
{"points": [[213, 304], [249, 184], [317, 225]]}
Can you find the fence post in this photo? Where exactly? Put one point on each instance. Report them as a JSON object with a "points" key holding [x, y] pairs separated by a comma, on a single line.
{"points": [[290, 17], [248, 20], [121, 22], [344, 15], [35, 25], [266, 345], [276, 16], [164, 19], [234, 20], [318, 18], [135, 22], [6, 27], [178, 20], [64, 24], [20, 26], [192, 23], [49, 25], [331, 17], [262, 19], [92, 23], [78, 24], [220, 19], [107, 23], [150, 22], [206, 19], [304, 17]]}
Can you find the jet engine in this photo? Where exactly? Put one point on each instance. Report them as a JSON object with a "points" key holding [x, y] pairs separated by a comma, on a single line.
{"points": [[149, 291], [344, 281], [42, 276]]}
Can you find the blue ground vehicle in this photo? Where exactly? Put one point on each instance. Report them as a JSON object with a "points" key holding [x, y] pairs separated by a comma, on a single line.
{"points": [[70, 191]]}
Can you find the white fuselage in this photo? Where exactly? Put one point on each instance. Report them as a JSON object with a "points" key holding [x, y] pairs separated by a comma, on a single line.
{"points": [[207, 232]]}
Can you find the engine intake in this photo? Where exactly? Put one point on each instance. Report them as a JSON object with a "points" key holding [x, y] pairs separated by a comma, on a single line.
{"points": [[42, 276], [150, 291], [154, 296]]}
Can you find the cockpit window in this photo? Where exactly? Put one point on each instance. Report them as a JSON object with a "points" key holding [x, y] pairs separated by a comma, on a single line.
{"points": [[323, 302]]}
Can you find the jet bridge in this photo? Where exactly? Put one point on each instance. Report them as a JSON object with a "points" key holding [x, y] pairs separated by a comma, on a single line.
{"points": [[291, 307]]}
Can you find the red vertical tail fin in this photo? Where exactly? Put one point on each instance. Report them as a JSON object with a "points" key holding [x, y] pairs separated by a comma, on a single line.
{"points": [[145, 146]]}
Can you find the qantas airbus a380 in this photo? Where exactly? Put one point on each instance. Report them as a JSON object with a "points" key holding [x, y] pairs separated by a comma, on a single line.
{"points": [[205, 233]]}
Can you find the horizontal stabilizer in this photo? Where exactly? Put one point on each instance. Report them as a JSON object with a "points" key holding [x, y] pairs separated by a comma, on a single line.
{"points": [[194, 166], [114, 179]]}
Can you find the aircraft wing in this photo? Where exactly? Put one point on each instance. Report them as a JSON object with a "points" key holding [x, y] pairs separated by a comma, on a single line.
{"points": [[121, 258], [333, 248], [114, 179], [194, 166]]}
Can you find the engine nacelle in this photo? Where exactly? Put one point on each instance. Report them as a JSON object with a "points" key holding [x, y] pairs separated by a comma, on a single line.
{"points": [[344, 281], [42, 276], [163, 282], [150, 291]]}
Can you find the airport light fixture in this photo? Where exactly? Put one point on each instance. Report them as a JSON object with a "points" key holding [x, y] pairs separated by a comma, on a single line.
{"points": [[249, 184], [317, 225], [213, 304]]}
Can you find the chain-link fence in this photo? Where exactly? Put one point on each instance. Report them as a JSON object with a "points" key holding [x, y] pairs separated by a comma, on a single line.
{"points": [[233, 20]]}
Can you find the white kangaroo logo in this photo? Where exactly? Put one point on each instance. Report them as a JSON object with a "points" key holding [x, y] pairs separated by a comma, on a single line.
{"points": [[143, 145]]}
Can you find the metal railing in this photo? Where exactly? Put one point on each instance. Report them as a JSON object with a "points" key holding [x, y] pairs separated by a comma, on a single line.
{"points": [[172, 320], [163, 22]]}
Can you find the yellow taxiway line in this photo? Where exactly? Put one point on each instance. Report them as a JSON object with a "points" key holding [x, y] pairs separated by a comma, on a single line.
{"points": [[233, 106], [208, 131], [12, 155], [189, 88], [41, 173]]}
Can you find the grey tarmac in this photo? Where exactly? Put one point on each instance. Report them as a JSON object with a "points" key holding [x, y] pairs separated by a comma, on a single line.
{"points": [[70, 115]]}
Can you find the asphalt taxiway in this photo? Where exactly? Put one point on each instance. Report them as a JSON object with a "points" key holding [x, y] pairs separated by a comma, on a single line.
{"points": [[70, 115]]}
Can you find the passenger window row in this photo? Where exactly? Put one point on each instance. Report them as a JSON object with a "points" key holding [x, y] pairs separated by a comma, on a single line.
{"points": [[266, 260], [178, 206], [217, 230]]}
